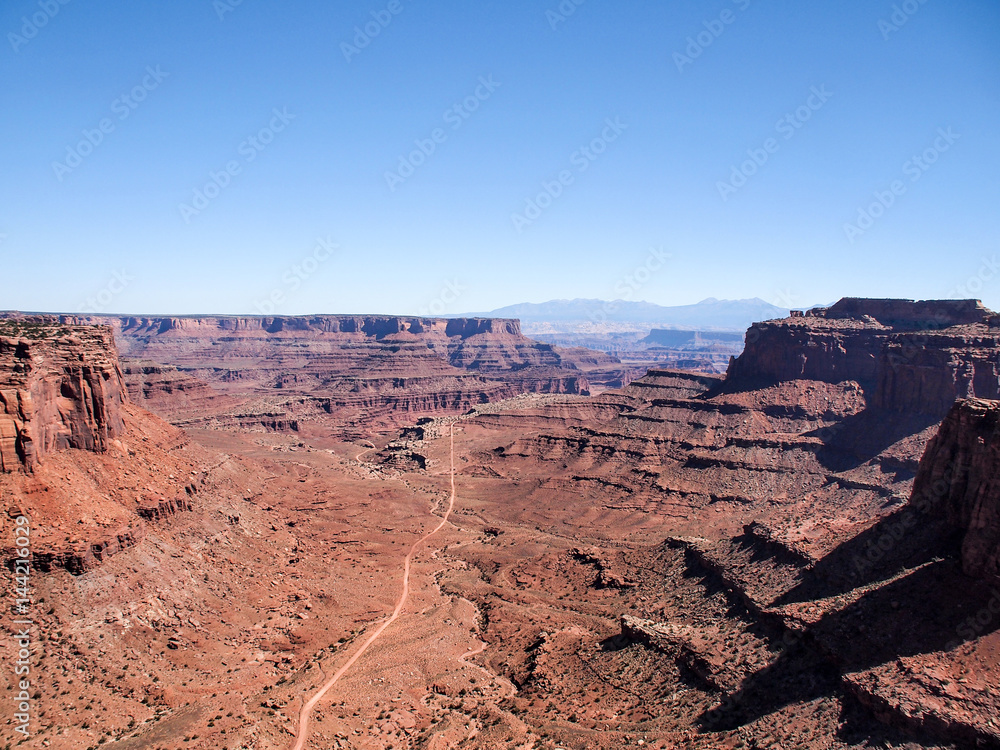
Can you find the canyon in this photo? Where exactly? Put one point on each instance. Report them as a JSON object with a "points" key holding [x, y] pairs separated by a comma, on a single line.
{"points": [[354, 372], [801, 552]]}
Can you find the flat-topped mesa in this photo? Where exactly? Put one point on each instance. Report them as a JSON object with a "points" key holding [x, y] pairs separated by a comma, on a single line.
{"points": [[959, 479], [727, 342], [904, 314], [377, 326], [801, 348], [60, 387], [913, 357], [417, 345]]}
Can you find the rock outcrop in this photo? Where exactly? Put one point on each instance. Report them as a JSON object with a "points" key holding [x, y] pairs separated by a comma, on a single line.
{"points": [[690, 646], [80, 558], [907, 315], [60, 387], [909, 357], [959, 477], [350, 373], [926, 371], [337, 343]]}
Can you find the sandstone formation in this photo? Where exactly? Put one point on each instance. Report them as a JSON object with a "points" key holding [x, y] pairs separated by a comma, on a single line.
{"points": [[959, 478], [64, 399], [349, 372], [60, 387], [909, 357], [907, 315]]}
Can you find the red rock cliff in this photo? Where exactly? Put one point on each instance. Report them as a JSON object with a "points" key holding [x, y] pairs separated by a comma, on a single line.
{"points": [[353, 372], [60, 387], [913, 357], [959, 477], [373, 326], [370, 346]]}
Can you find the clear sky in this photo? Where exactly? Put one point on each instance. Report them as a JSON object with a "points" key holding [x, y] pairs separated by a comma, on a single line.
{"points": [[793, 151]]}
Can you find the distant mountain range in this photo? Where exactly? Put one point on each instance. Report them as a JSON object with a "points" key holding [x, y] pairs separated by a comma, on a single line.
{"points": [[597, 316]]}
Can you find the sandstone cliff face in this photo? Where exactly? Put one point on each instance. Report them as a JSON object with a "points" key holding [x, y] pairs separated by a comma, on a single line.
{"points": [[60, 387], [359, 371], [904, 314], [959, 478], [926, 371], [377, 326], [165, 389], [909, 357], [332, 345], [814, 348]]}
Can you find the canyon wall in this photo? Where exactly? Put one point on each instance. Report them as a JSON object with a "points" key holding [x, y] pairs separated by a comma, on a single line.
{"points": [[60, 387], [926, 371], [809, 348], [959, 478], [348, 372], [904, 314], [377, 326], [335, 344], [909, 357]]}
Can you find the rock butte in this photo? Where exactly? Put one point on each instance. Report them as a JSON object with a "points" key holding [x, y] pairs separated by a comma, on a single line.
{"points": [[798, 554]]}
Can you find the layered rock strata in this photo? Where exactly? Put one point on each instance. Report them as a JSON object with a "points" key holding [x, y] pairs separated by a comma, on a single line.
{"points": [[60, 387], [909, 357], [959, 478], [354, 371]]}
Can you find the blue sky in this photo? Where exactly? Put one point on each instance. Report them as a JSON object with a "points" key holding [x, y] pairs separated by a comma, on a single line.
{"points": [[523, 193]]}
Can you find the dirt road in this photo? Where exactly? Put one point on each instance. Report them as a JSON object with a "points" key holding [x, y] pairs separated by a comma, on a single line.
{"points": [[303, 733]]}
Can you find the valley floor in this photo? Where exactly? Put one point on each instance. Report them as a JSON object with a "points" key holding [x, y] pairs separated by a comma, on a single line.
{"points": [[217, 628]]}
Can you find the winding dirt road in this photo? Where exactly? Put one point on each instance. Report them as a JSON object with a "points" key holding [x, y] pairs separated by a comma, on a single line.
{"points": [[303, 733]]}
